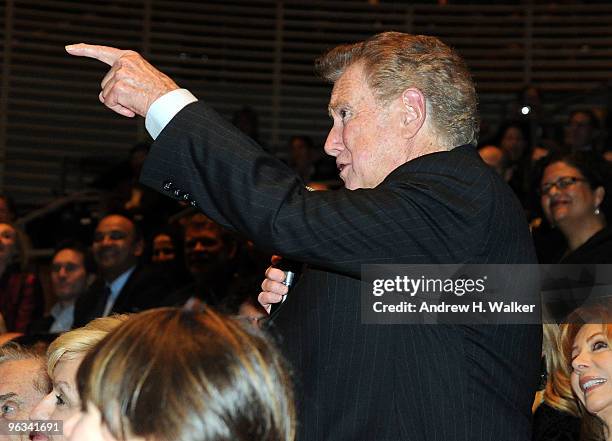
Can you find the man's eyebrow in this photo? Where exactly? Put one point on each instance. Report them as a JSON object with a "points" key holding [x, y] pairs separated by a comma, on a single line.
{"points": [[335, 105], [7, 396]]}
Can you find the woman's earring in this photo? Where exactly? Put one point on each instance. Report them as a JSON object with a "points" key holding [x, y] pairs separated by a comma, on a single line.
{"points": [[597, 211]]}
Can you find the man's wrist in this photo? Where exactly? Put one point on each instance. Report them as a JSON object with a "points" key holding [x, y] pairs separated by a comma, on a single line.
{"points": [[165, 108]]}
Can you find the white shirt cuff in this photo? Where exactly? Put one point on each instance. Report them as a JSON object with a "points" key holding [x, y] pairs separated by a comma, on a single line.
{"points": [[165, 108]]}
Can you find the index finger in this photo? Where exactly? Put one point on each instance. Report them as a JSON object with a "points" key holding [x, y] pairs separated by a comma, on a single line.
{"points": [[106, 54]]}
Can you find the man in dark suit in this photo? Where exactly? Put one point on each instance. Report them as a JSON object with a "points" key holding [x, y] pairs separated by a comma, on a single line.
{"points": [[124, 285], [209, 253], [404, 116]]}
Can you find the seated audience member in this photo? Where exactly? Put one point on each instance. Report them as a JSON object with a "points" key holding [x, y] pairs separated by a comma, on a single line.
{"points": [[582, 131], [574, 198], [21, 298], [8, 213], [309, 161], [223, 381], [498, 159], [167, 257], [209, 252], [555, 417], [251, 310], [514, 138], [69, 279], [64, 357], [23, 383], [164, 248], [587, 360], [124, 284]]}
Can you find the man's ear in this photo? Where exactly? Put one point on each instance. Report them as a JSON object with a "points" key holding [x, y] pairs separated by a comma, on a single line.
{"points": [[414, 112]]}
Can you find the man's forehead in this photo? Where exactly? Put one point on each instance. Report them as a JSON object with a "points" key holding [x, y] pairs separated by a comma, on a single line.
{"points": [[206, 232], [16, 376], [350, 86], [68, 255], [118, 223]]}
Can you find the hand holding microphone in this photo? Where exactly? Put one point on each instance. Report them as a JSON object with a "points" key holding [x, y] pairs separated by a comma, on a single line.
{"points": [[280, 277]]}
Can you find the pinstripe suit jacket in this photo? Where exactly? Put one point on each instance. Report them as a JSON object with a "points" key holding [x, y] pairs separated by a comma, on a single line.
{"points": [[367, 382]]}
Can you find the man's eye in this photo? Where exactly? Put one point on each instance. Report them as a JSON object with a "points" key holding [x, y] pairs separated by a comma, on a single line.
{"points": [[599, 345], [343, 114], [7, 408]]}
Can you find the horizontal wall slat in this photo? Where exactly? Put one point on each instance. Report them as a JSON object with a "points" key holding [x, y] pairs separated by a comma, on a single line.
{"points": [[229, 51]]}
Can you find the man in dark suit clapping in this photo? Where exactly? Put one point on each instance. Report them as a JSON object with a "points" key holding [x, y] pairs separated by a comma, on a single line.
{"points": [[404, 128]]}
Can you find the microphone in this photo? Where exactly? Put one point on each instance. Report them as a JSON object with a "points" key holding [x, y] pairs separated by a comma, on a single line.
{"points": [[292, 270]]}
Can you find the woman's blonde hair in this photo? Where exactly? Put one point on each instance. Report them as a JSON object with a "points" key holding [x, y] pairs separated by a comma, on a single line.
{"points": [[78, 342], [558, 393], [175, 374], [593, 428]]}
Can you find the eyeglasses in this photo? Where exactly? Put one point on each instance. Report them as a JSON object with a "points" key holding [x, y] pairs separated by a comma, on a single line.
{"points": [[164, 251], [113, 235], [562, 183], [68, 267]]}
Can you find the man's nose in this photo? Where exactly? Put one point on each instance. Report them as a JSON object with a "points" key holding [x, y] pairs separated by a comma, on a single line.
{"points": [[42, 411], [334, 143], [106, 240], [554, 189]]}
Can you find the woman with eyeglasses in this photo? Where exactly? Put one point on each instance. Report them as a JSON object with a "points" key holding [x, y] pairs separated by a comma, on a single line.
{"points": [[574, 200]]}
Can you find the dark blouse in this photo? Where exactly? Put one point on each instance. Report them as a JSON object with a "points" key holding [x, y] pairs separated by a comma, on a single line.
{"points": [[553, 425], [21, 299], [598, 249]]}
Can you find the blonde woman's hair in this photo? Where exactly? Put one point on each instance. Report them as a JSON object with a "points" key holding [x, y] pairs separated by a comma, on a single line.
{"points": [[78, 342], [558, 393], [181, 375]]}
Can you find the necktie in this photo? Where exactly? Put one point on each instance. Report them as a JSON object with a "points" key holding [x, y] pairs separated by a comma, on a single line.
{"points": [[106, 292]]}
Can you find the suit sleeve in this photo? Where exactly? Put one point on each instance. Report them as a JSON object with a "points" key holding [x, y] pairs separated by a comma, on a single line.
{"points": [[201, 158]]}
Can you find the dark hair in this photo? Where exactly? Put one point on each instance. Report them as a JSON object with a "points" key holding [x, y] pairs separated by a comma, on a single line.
{"points": [[595, 122], [199, 222], [79, 247], [183, 375], [592, 166], [523, 128], [10, 205]]}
